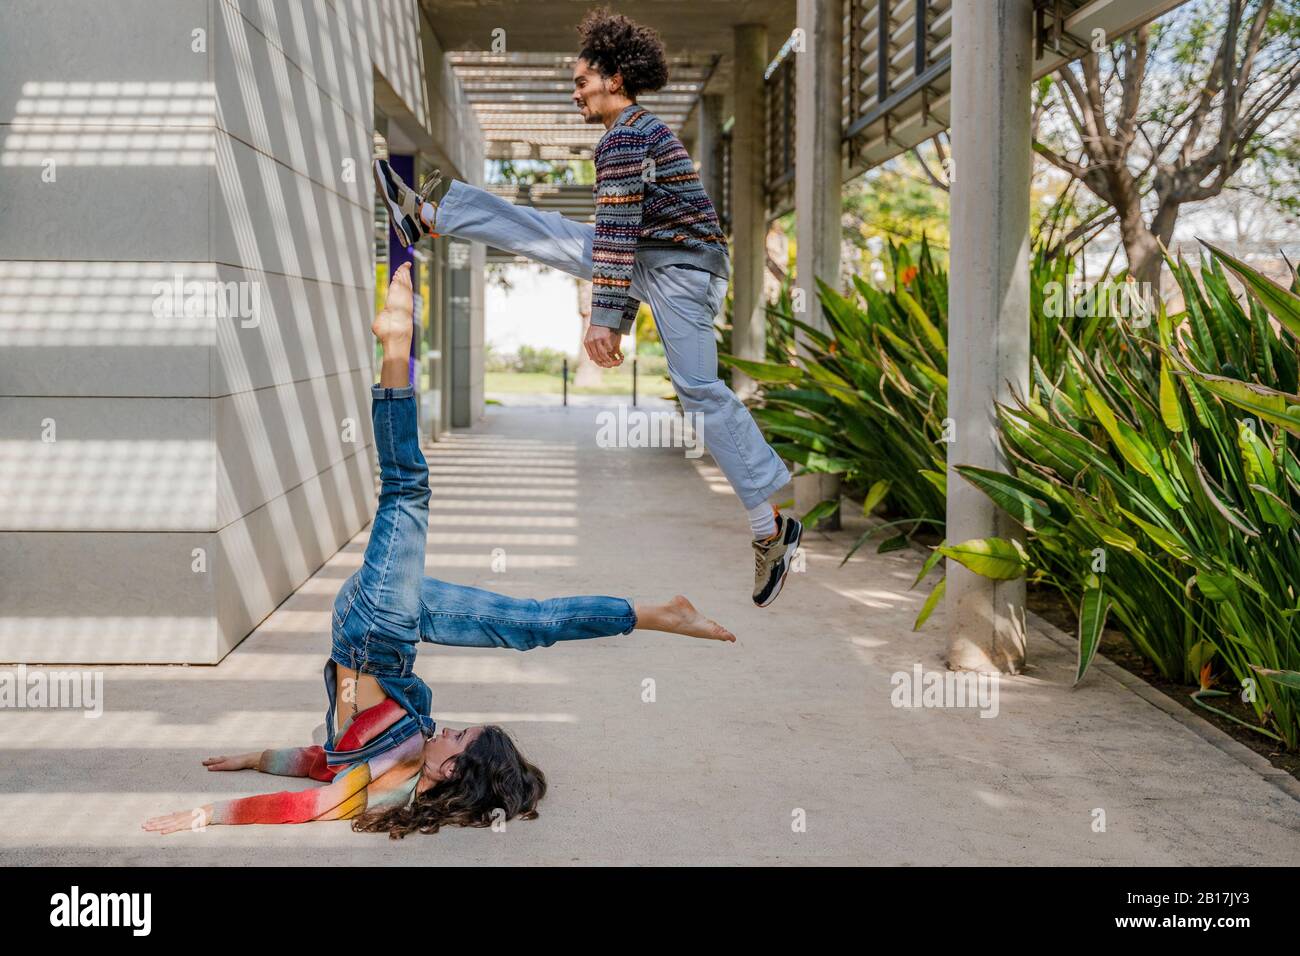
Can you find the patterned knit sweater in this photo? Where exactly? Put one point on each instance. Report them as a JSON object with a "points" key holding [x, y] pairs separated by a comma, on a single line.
{"points": [[650, 205], [384, 781]]}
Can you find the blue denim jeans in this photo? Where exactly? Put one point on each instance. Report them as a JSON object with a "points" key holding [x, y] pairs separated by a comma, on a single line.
{"points": [[684, 301], [384, 610]]}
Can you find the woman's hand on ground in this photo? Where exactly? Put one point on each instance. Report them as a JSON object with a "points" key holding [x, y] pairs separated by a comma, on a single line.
{"points": [[195, 819], [239, 762]]}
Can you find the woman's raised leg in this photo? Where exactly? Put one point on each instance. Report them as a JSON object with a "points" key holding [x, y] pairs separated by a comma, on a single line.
{"points": [[393, 565], [462, 616]]}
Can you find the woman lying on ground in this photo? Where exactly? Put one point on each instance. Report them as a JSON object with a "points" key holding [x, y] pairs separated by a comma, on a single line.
{"points": [[388, 771]]}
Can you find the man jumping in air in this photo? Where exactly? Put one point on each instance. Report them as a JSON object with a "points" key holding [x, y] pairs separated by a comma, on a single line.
{"points": [[656, 239]]}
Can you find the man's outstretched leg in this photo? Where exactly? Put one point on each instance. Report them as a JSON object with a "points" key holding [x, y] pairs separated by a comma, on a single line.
{"points": [[468, 212]]}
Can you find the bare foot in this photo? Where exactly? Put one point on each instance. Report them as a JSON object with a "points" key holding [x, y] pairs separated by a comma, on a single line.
{"points": [[680, 617], [392, 325]]}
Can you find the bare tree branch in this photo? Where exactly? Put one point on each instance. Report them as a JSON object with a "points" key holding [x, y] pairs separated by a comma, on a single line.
{"points": [[925, 167]]}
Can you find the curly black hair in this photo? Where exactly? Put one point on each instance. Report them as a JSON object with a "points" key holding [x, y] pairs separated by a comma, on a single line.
{"points": [[614, 44], [492, 783]]}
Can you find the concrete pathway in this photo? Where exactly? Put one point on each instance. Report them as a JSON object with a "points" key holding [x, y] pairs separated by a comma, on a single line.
{"points": [[784, 748]]}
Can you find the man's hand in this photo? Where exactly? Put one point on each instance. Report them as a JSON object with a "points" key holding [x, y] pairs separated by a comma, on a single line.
{"points": [[604, 346]]}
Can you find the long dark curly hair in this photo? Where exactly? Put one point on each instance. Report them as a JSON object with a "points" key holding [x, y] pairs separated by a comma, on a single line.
{"points": [[614, 44], [492, 782]]}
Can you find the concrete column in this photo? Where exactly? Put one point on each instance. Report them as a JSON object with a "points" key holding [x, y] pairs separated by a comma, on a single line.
{"points": [[460, 317], [989, 311], [748, 200], [817, 188], [708, 120], [817, 150], [433, 419]]}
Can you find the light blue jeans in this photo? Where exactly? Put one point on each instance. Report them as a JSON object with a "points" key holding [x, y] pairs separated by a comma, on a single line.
{"points": [[684, 301], [385, 609]]}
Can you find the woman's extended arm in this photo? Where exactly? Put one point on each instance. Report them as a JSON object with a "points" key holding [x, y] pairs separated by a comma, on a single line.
{"points": [[310, 761], [296, 762], [286, 762], [343, 798]]}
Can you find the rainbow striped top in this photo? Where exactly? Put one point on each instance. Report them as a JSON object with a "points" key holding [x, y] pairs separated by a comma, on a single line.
{"points": [[384, 781], [650, 205]]}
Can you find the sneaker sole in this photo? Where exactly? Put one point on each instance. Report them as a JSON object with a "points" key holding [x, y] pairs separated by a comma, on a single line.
{"points": [[785, 568], [400, 221]]}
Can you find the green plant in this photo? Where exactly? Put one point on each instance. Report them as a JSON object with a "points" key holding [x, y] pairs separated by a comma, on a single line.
{"points": [[546, 361], [866, 394], [1147, 494]]}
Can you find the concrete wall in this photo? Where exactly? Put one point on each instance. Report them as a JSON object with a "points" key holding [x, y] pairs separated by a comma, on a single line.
{"points": [[168, 476]]}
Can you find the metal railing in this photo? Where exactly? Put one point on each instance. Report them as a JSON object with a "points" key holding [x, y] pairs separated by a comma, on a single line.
{"points": [[895, 60], [778, 168], [564, 373]]}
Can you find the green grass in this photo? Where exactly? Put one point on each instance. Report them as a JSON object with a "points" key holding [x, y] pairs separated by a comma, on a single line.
{"points": [[615, 381]]}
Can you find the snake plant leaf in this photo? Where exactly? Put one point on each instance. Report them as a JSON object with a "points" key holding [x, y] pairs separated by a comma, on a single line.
{"points": [[1277, 408], [1283, 514], [1093, 610], [875, 496], [1017, 498], [937, 378], [1197, 399], [936, 478], [1257, 458], [928, 329], [819, 511], [931, 602], [935, 557], [803, 398], [1281, 303], [1233, 517], [1216, 587], [1170, 410], [1137, 451], [813, 461], [815, 335], [1108, 534], [999, 558], [1167, 540], [896, 543], [763, 371], [1285, 678]]}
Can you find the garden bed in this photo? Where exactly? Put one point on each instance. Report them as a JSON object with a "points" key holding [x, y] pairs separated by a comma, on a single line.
{"points": [[1054, 609]]}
